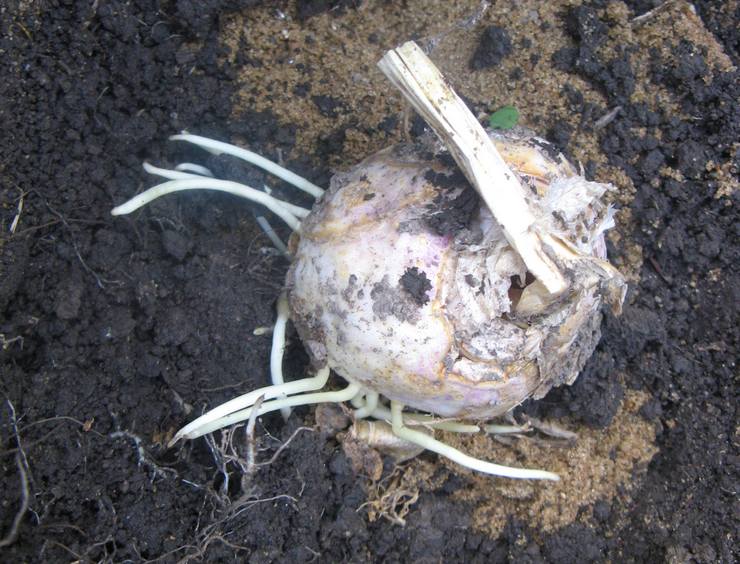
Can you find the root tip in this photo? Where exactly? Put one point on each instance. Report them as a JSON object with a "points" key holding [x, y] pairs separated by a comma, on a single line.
{"points": [[174, 440]]}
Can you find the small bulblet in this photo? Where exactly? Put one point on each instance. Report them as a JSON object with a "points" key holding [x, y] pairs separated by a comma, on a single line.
{"points": [[403, 282]]}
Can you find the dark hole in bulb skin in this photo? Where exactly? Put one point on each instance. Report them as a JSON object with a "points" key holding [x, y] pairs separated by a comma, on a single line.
{"points": [[516, 288]]}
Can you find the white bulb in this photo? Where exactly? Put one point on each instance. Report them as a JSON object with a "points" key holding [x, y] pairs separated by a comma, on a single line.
{"points": [[403, 282]]}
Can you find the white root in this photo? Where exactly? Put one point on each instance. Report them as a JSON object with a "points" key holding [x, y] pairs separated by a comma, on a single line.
{"points": [[371, 404], [285, 211], [278, 346], [359, 400], [170, 174], [339, 396], [191, 430], [421, 83], [176, 174], [272, 236], [195, 168], [494, 429], [430, 443], [219, 147], [384, 414]]}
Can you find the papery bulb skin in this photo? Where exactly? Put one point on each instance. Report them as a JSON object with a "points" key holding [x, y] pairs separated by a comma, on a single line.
{"points": [[403, 282]]}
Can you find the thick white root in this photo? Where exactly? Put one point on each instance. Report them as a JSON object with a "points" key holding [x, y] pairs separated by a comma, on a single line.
{"points": [[284, 210], [194, 428], [278, 346], [339, 396], [219, 147], [430, 443]]}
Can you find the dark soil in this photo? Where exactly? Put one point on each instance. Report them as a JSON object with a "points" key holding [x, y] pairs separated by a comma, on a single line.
{"points": [[416, 284], [451, 210], [115, 332], [494, 47]]}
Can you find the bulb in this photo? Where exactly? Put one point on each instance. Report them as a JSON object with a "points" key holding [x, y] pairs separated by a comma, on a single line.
{"points": [[403, 282]]}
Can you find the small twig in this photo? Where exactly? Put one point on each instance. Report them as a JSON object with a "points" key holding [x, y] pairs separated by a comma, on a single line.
{"points": [[607, 118], [64, 526], [551, 429], [242, 507], [642, 18], [251, 443], [218, 458], [78, 557], [24, 30], [54, 430], [16, 219], [22, 463], [659, 271], [5, 342], [224, 387], [315, 554], [54, 419]]}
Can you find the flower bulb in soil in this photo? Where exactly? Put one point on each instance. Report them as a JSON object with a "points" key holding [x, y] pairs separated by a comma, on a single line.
{"points": [[403, 282]]}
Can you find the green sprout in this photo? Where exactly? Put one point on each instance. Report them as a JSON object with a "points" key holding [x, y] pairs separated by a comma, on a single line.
{"points": [[505, 117]]}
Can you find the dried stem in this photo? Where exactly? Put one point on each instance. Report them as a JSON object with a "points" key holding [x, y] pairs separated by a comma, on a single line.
{"points": [[421, 83]]}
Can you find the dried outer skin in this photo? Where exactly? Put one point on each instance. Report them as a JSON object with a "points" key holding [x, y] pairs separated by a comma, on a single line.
{"points": [[379, 435], [463, 339]]}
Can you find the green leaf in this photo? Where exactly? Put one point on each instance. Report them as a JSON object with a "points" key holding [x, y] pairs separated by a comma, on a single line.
{"points": [[504, 118]]}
